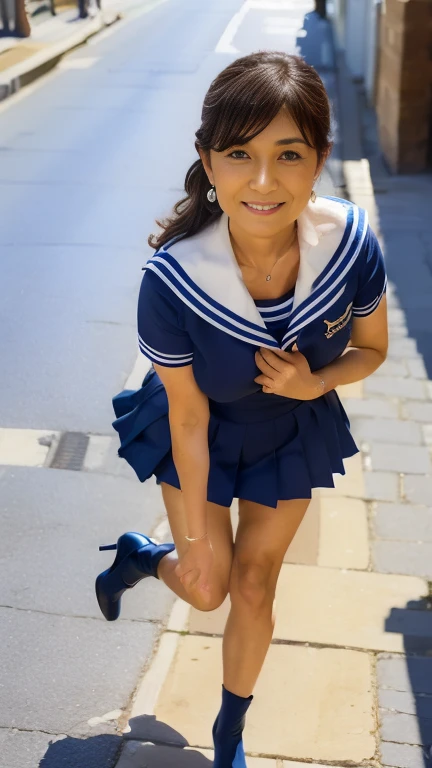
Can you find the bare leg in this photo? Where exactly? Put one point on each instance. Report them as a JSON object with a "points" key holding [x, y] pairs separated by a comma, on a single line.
{"points": [[221, 537], [263, 537]]}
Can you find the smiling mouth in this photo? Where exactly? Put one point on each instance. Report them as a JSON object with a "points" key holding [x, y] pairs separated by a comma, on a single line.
{"points": [[263, 206]]}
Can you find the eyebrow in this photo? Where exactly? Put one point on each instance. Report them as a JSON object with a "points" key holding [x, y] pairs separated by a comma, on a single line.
{"points": [[293, 140]]}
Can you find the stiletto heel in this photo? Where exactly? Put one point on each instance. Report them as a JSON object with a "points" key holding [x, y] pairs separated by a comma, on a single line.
{"points": [[137, 557], [227, 731]]}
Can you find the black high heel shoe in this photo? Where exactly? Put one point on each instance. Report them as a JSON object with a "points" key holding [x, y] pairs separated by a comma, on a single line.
{"points": [[137, 557]]}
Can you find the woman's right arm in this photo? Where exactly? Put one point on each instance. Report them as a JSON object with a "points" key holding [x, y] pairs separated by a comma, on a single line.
{"points": [[163, 339], [189, 418]]}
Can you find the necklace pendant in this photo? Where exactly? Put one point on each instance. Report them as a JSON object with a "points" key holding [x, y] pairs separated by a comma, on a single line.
{"points": [[268, 278]]}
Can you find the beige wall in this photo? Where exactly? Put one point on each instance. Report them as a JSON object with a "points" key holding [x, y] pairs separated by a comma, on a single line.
{"points": [[405, 84]]}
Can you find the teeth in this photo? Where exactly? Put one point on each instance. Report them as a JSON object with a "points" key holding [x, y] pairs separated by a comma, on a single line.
{"points": [[262, 207]]}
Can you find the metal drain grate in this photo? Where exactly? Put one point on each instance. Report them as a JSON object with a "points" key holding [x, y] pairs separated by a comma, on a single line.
{"points": [[71, 451]]}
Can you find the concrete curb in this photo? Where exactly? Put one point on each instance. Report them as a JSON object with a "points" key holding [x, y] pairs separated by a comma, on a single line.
{"points": [[43, 61], [29, 70]]}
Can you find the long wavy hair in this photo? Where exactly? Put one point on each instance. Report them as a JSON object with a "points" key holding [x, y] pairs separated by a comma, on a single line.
{"points": [[241, 101]]}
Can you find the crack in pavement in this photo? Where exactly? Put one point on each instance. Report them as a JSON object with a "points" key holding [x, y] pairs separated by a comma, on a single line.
{"points": [[74, 616]]}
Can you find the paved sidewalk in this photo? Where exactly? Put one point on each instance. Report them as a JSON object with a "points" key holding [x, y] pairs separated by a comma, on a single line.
{"points": [[348, 676], [23, 60]]}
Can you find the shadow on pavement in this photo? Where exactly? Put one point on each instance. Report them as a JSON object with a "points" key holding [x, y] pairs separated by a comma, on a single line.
{"points": [[405, 684], [150, 743], [404, 210], [94, 752]]}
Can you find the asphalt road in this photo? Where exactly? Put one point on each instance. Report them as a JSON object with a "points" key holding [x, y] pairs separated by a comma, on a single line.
{"points": [[89, 158]]}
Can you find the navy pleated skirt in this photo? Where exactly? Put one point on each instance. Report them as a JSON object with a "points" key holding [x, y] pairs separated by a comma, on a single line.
{"points": [[263, 448]]}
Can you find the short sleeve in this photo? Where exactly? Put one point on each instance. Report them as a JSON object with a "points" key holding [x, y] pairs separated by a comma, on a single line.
{"points": [[160, 336], [372, 277]]}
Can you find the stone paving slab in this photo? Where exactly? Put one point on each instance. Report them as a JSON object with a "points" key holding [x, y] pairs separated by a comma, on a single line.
{"points": [[403, 521], [25, 447], [418, 489], [417, 368], [418, 411], [392, 367], [341, 608], [392, 386], [405, 702], [427, 434], [396, 430], [329, 606], [387, 408], [402, 348], [405, 674], [136, 754], [382, 486], [355, 389], [343, 536], [289, 715], [400, 458], [405, 729], [294, 764], [401, 756], [412, 558]]}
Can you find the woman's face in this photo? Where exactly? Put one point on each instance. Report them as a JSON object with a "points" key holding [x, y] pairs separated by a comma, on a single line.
{"points": [[277, 166]]}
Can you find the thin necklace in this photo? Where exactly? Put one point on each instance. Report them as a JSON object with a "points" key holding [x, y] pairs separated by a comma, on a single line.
{"points": [[269, 276]]}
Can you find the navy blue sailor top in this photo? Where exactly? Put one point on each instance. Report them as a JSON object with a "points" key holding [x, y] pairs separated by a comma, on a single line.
{"points": [[194, 309]]}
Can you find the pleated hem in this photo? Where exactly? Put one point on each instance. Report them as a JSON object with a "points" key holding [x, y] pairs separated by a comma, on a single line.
{"points": [[264, 462]]}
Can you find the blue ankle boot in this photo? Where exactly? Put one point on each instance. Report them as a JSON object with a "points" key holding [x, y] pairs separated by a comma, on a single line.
{"points": [[137, 557], [228, 729]]}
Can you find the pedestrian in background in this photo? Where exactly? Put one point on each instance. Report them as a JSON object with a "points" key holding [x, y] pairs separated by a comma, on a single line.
{"points": [[321, 8], [260, 299]]}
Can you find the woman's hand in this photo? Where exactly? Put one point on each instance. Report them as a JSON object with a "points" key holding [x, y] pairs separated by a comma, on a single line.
{"points": [[287, 374], [193, 569]]}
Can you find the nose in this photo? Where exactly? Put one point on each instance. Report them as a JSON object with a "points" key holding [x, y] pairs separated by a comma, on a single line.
{"points": [[264, 179]]}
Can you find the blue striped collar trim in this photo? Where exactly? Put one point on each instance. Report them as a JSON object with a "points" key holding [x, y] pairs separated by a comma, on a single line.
{"points": [[203, 272], [203, 305], [332, 283]]}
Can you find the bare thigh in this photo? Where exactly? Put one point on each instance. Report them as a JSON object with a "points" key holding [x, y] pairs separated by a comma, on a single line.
{"points": [[220, 533], [262, 539]]}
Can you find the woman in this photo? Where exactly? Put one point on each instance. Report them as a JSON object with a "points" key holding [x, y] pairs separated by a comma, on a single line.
{"points": [[246, 310]]}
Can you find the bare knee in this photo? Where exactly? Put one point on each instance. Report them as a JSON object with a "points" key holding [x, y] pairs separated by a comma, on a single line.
{"points": [[251, 584], [217, 597]]}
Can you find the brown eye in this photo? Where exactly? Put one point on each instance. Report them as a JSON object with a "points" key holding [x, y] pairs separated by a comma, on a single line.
{"points": [[292, 155]]}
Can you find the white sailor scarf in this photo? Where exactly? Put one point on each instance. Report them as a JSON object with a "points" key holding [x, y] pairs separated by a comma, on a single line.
{"points": [[194, 307]]}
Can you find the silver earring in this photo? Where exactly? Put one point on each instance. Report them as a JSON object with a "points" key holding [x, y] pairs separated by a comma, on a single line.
{"points": [[211, 194], [313, 196]]}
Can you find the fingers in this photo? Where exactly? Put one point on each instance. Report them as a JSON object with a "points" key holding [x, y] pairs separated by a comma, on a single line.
{"points": [[191, 582], [265, 381], [289, 357], [266, 357], [264, 366]]}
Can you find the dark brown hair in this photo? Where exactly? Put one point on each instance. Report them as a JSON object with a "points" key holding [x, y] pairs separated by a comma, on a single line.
{"points": [[241, 101]]}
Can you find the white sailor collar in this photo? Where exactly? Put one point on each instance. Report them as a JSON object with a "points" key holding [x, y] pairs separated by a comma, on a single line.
{"points": [[203, 272]]}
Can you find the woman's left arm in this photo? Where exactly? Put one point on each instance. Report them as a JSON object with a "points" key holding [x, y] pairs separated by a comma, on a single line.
{"points": [[366, 352], [288, 373]]}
